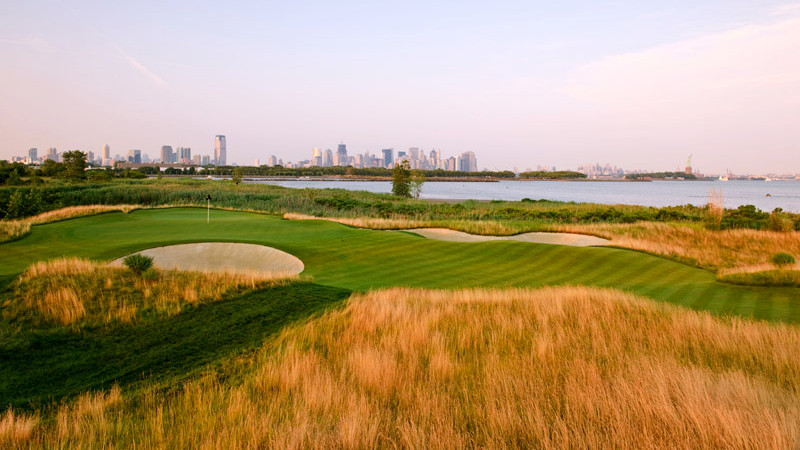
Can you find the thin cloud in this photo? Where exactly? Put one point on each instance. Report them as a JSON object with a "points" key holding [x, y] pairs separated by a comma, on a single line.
{"points": [[145, 71], [137, 65]]}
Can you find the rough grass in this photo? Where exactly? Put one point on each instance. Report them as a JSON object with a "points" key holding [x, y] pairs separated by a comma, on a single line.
{"points": [[770, 277], [16, 429], [15, 229], [704, 247], [520, 368], [81, 292], [482, 227]]}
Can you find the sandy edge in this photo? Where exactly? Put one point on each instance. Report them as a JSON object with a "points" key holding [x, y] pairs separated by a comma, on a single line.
{"points": [[571, 239], [227, 257]]}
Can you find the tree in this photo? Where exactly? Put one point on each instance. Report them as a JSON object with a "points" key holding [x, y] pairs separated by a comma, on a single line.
{"points": [[51, 168], [416, 182], [401, 179], [237, 175], [74, 164]]}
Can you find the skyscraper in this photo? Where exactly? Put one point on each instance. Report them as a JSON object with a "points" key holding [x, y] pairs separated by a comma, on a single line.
{"points": [[52, 153], [316, 157], [388, 156], [468, 162], [184, 154], [32, 154], [135, 156], [219, 151], [166, 154], [328, 160], [106, 155], [341, 155]]}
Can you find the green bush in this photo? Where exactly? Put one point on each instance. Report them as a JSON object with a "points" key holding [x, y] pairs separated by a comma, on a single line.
{"points": [[782, 259], [139, 264]]}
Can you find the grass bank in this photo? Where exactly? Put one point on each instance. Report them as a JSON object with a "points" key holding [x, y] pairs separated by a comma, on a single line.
{"points": [[517, 368], [358, 259]]}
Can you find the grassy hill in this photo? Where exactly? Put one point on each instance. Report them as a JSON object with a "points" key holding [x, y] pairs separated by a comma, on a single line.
{"points": [[512, 363], [556, 367], [358, 259]]}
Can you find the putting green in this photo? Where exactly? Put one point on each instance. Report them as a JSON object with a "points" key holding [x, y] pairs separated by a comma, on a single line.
{"points": [[358, 259]]}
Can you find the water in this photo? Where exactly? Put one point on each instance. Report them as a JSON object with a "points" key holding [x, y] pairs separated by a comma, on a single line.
{"points": [[783, 194]]}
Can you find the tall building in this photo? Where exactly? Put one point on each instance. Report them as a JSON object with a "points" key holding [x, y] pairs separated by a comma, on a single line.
{"points": [[451, 164], [106, 160], [220, 158], [341, 155], [32, 154], [184, 155], [316, 157], [328, 160], [52, 153], [273, 161], [468, 162], [135, 156], [388, 156], [166, 154]]}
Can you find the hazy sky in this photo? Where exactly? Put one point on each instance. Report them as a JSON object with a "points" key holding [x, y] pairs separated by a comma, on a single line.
{"points": [[640, 84]]}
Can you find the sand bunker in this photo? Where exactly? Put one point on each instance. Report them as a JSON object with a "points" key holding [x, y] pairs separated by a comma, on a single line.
{"points": [[575, 240], [222, 257]]}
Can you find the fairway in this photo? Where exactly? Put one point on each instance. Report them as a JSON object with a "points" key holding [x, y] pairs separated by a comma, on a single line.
{"points": [[358, 259]]}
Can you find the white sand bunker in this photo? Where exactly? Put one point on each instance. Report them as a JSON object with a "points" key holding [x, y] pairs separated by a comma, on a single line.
{"points": [[222, 257], [572, 239]]}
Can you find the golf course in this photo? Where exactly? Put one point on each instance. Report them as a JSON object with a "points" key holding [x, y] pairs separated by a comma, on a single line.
{"points": [[359, 260], [395, 317]]}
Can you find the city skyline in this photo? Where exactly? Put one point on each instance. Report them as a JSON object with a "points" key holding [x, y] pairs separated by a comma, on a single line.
{"points": [[637, 83]]}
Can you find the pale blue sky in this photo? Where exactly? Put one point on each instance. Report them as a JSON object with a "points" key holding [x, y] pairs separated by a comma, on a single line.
{"points": [[632, 83]]}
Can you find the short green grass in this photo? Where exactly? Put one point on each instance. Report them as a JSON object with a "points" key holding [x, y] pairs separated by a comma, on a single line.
{"points": [[357, 259]]}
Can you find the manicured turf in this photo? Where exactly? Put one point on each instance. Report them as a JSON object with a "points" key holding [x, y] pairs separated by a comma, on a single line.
{"points": [[49, 365], [356, 259]]}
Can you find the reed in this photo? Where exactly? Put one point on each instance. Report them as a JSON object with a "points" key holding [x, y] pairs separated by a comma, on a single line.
{"points": [[482, 227], [16, 430], [517, 368], [695, 244], [80, 292]]}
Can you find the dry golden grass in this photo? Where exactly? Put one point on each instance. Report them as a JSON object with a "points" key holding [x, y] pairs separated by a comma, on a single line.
{"points": [[708, 248], [16, 430], [554, 367], [70, 291], [482, 227], [78, 211], [13, 229]]}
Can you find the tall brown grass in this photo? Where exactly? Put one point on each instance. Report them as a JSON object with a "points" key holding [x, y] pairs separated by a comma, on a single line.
{"points": [[16, 430], [704, 247], [554, 367], [482, 227], [13, 229], [716, 208], [70, 291]]}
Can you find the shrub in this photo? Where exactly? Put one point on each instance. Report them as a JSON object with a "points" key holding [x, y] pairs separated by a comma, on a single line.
{"points": [[781, 259], [138, 263]]}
